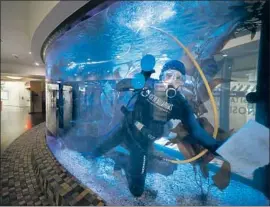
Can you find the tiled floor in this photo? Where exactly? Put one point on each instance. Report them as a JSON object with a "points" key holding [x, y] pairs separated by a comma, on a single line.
{"points": [[23, 146], [15, 121], [30, 175], [18, 182]]}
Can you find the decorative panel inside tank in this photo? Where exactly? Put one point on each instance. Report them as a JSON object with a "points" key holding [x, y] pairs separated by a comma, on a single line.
{"points": [[132, 96]]}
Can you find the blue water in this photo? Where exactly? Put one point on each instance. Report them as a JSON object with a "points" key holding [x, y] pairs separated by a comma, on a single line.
{"points": [[121, 33], [179, 188], [95, 54]]}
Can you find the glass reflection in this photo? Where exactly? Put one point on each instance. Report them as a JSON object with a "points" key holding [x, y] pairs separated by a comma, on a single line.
{"points": [[85, 69]]}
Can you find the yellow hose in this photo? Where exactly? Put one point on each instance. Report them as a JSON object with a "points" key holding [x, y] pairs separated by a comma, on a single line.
{"points": [[212, 100]]}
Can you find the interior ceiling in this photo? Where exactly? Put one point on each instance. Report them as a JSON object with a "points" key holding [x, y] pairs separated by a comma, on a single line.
{"points": [[5, 77], [245, 58], [243, 50], [15, 33]]}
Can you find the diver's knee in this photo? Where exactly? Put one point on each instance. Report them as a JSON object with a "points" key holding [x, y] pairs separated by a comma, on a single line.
{"points": [[136, 190], [136, 184]]}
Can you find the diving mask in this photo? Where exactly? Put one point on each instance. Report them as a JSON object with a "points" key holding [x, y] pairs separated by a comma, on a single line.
{"points": [[173, 77]]}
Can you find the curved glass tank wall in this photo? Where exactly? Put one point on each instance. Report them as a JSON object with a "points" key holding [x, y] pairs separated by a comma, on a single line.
{"points": [[104, 46]]}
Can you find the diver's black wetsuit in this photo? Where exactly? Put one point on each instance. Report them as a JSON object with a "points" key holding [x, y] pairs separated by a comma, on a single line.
{"points": [[153, 112]]}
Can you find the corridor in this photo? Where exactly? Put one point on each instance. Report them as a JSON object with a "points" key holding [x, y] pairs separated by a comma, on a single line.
{"points": [[15, 121]]}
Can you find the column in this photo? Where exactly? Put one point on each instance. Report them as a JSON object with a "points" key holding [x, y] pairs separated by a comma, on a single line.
{"points": [[61, 107], [262, 90], [224, 112]]}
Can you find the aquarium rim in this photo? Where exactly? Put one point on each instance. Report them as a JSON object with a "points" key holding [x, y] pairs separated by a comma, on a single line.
{"points": [[87, 11], [90, 9]]}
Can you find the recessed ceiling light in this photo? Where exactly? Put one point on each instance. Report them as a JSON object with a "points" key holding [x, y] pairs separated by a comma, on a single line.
{"points": [[30, 53], [37, 64], [14, 77]]}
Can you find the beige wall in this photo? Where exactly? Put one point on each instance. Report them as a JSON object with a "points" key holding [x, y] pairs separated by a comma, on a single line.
{"points": [[38, 10], [45, 20], [18, 96], [22, 70]]}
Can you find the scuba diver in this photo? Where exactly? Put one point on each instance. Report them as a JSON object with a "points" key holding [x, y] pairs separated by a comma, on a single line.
{"points": [[153, 104]]}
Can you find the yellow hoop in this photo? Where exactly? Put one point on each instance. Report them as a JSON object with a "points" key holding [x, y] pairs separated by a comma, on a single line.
{"points": [[212, 100]]}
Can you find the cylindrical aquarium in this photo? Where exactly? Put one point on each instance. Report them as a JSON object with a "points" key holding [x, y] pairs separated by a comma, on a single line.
{"points": [[126, 81]]}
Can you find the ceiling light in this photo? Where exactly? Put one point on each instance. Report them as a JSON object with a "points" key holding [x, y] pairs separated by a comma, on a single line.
{"points": [[30, 53], [37, 64], [224, 55], [14, 77]]}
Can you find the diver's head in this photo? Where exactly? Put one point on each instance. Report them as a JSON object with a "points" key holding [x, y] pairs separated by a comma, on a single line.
{"points": [[147, 64], [173, 73]]}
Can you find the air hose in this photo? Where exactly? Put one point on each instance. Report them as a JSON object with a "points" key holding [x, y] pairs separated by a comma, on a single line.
{"points": [[212, 100]]}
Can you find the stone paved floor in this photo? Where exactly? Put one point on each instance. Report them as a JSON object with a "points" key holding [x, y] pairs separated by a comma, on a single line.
{"points": [[18, 182]]}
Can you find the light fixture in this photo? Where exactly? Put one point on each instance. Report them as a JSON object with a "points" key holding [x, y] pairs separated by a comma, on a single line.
{"points": [[224, 55], [30, 53], [14, 77], [36, 63]]}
